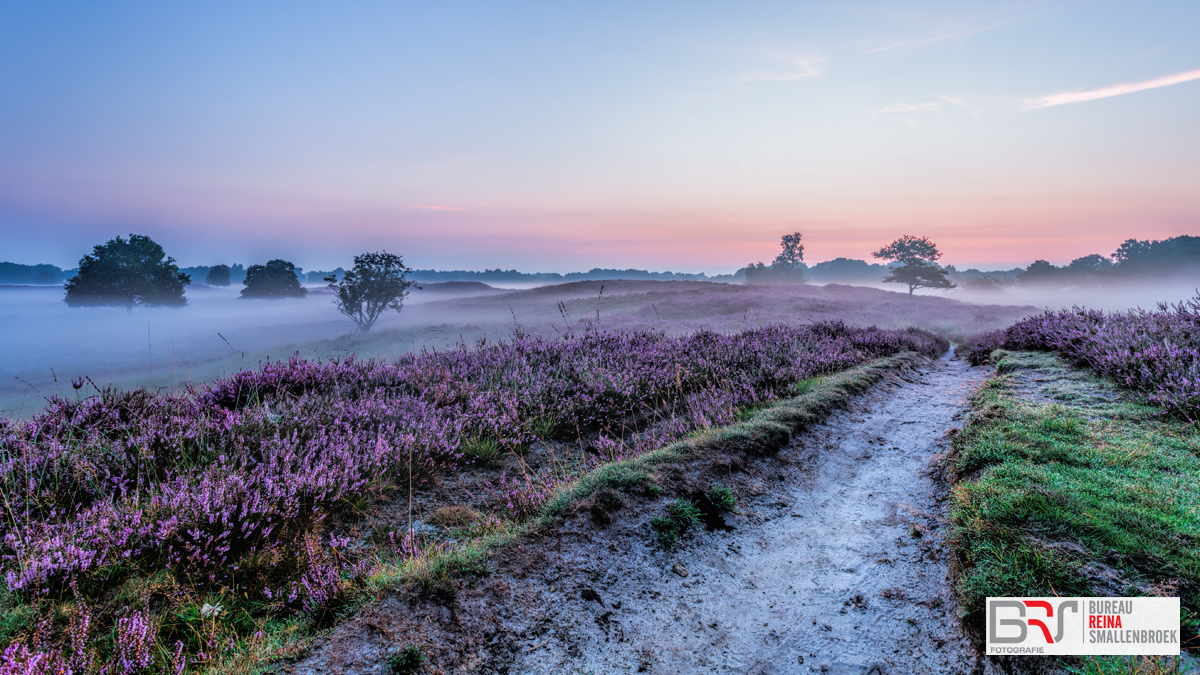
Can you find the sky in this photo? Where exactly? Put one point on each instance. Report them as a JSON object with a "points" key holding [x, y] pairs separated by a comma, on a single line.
{"points": [[550, 136]]}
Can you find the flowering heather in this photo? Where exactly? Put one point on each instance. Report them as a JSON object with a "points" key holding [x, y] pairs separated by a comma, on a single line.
{"points": [[224, 488], [1154, 352]]}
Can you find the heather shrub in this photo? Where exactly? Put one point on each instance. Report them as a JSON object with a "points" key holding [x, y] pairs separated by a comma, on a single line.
{"points": [[224, 489], [1154, 352], [977, 349]]}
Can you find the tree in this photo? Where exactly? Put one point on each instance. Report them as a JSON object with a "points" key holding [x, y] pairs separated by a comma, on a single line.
{"points": [[793, 251], [845, 270], [919, 275], [276, 279], [377, 282], [1091, 268], [919, 269], [218, 276], [788, 266], [1040, 272], [127, 273], [909, 249]]}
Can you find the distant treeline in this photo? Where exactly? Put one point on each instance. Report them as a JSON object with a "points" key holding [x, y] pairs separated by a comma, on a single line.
{"points": [[498, 275], [237, 274], [1135, 259], [13, 273]]}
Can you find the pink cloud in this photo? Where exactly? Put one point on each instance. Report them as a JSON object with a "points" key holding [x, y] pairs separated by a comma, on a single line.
{"points": [[1114, 90]]}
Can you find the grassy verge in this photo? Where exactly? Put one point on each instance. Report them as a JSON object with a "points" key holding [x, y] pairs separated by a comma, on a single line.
{"points": [[1064, 488]]}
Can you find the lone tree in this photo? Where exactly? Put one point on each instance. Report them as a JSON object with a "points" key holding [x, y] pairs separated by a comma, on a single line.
{"points": [[218, 276], [787, 266], [377, 282], [276, 279], [919, 268], [126, 273]]}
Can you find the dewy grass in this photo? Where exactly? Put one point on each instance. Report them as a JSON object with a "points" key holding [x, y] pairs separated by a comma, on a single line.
{"points": [[1051, 493]]}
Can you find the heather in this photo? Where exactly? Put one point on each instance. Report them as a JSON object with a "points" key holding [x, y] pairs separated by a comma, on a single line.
{"points": [[1153, 352], [149, 531], [216, 334]]}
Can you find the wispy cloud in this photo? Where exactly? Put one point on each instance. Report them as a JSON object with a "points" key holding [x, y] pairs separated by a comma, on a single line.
{"points": [[792, 70], [1106, 92], [930, 38], [931, 106], [436, 208], [945, 28]]}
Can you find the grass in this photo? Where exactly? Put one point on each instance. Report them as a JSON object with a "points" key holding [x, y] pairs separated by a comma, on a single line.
{"points": [[721, 497], [407, 660], [1060, 480], [1130, 665], [682, 515]]}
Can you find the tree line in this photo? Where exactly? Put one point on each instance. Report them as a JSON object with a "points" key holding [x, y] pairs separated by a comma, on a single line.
{"points": [[137, 272], [913, 259]]}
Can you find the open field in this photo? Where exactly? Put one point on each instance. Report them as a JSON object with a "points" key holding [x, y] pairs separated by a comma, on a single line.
{"points": [[130, 516], [217, 334], [353, 514]]}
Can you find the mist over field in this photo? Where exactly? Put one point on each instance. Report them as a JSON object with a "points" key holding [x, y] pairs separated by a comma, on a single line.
{"points": [[538, 338], [47, 344]]}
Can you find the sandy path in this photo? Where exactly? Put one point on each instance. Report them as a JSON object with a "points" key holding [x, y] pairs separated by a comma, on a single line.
{"points": [[834, 564]]}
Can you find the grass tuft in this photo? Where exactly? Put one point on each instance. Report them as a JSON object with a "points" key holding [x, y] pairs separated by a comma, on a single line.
{"points": [[682, 515], [407, 660]]}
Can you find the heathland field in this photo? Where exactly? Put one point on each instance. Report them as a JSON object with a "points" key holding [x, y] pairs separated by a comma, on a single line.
{"points": [[660, 476]]}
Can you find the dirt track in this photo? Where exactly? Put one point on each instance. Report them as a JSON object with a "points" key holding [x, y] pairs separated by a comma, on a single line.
{"points": [[834, 563]]}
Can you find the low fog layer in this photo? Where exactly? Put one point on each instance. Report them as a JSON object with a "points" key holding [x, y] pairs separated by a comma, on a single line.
{"points": [[170, 347]]}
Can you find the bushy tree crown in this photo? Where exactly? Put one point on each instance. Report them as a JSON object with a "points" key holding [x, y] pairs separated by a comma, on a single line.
{"points": [[218, 276], [276, 279], [377, 282], [127, 273]]}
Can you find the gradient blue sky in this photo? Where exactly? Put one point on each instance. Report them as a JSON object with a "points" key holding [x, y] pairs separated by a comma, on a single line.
{"points": [[564, 136]]}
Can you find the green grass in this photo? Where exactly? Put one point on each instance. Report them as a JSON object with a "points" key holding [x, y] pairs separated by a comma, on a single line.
{"points": [[1050, 491], [407, 660], [482, 449], [682, 515], [1129, 665], [721, 497]]}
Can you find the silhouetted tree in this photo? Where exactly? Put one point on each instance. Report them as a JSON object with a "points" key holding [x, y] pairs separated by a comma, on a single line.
{"points": [[276, 279], [1040, 273], [841, 270], [127, 273], [910, 249], [218, 276], [788, 266], [1170, 257], [377, 282], [793, 251], [919, 269], [1092, 265]]}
